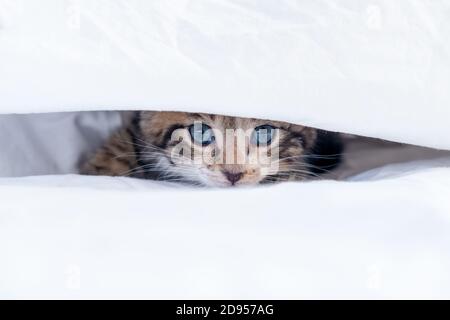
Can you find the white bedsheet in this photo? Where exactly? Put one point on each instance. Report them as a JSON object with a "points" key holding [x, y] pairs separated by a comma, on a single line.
{"points": [[375, 68], [91, 237]]}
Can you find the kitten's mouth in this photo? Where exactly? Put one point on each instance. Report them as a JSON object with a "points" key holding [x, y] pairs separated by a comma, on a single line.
{"points": [[227, 181]]}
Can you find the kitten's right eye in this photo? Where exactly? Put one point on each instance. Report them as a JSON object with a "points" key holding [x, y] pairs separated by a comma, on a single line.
{"points": [[202, 134], [263, 135]]}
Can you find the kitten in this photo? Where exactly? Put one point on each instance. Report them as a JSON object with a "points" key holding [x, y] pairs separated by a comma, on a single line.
{"points": [[215, 150]]}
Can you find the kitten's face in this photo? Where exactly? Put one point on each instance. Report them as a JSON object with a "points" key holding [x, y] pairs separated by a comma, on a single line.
{"points": [[214, 150]]}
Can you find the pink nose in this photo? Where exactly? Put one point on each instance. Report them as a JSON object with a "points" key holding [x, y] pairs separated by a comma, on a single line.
{"points": [[233, 177]]}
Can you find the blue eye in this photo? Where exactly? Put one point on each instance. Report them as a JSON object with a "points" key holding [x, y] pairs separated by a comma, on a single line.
{"points": [[202, 134], [263, 135]]}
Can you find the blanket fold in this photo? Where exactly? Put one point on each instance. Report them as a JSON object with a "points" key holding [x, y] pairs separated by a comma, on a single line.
{"points": [[369, 67]]}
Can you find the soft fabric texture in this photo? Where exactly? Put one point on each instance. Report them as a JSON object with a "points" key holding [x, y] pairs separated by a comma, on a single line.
{"points": [[376, 68], [54, 143], [102, 237]]}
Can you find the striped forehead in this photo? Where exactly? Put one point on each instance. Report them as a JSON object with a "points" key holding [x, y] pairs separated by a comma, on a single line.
{"points": [[225, 122]]}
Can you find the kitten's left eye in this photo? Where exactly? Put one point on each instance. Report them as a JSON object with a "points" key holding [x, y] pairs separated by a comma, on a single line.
{"points": [[202, 134], [263, 135]]}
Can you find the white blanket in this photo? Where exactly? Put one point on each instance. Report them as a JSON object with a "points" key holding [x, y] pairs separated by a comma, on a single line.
{"points": [[90, 237], [375, 68]]}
